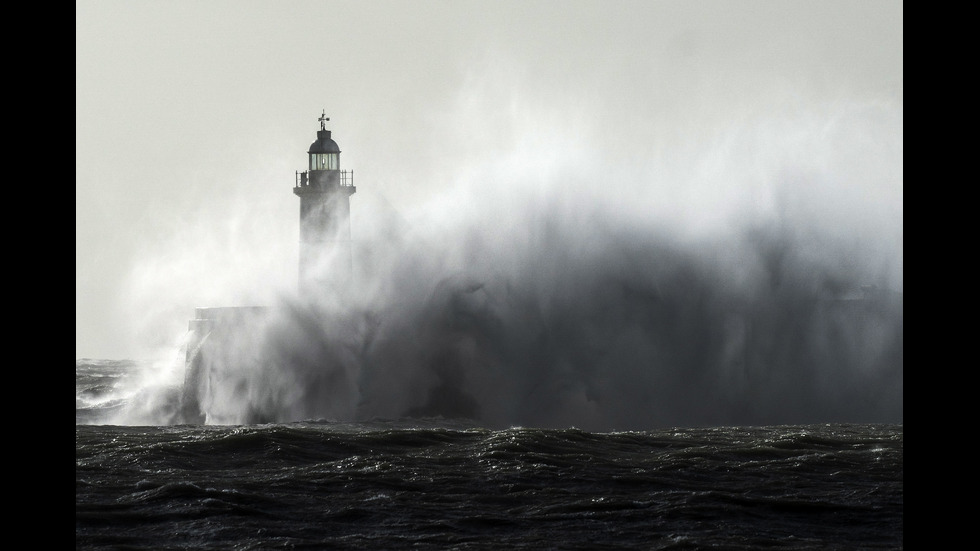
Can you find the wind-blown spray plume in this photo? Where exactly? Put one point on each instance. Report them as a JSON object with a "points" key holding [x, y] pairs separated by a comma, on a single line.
{"points": [[557, 301]]}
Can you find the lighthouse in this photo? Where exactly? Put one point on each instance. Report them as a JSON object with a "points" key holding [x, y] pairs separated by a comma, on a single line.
{"points": [[325, 258], [226, 345]]}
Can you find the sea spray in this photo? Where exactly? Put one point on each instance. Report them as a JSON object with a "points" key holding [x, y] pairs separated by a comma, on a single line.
{"points": [[575, 299], [634, 333]]}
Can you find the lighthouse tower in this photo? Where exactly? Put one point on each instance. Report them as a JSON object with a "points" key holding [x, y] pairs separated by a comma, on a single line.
{"points": [[325, 261]]}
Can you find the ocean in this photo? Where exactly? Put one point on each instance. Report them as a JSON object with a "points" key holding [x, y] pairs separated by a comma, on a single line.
{"points": [[443, 483]]}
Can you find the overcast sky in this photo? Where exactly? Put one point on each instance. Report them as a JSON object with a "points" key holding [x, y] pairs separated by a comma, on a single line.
{"points": [[193, 116]]}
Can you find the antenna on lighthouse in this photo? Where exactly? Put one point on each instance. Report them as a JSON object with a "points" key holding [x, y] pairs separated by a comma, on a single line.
{"points": [[323, 120]]}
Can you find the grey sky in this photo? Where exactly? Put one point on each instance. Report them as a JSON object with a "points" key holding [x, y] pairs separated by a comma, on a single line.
{"points": [[191, 118]]}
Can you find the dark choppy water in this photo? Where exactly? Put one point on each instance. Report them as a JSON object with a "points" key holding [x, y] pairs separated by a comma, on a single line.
{"points": [[443, 484]]}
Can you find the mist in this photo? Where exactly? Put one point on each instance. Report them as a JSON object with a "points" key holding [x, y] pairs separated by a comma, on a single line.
{"points": [[552, 290]]}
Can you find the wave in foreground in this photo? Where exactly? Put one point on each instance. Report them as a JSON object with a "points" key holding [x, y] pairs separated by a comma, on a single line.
{"points": [[437, 484]]}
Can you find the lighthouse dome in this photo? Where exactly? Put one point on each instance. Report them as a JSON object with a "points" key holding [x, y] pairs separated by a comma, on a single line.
{"points": [[323, 143]]}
